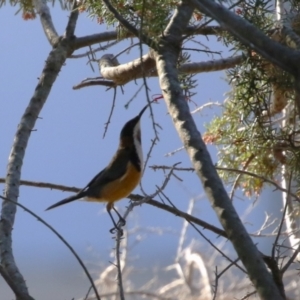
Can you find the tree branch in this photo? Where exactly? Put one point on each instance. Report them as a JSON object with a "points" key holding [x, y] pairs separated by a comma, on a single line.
{"points": [[176, 212], [166, 59], [107, 36], [211, 65], [125, 73], [133, 197], [63, 241], [46, 20], [52, 67], [90, 40], [243, 172], [128, 26], [284, 57], [70, 29]]}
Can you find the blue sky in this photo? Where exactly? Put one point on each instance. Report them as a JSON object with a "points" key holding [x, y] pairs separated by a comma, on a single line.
{"points": [[67, 148]]}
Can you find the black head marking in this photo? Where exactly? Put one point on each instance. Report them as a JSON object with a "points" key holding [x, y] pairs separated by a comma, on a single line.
{"points": [[127, 130]]}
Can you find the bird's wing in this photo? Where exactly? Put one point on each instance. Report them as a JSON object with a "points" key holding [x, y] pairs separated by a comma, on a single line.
{"points": [[115, 169]]}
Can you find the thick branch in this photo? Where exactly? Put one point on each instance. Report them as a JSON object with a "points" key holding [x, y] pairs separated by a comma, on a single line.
{"points": [[284, 57], [107, 36], [53, 65], [70, 29], [166, 59], [122, 74], [211, 65], [46, 20]]}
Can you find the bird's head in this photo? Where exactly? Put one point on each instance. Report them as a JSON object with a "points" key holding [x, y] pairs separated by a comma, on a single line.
{"points": [[132, 130]]}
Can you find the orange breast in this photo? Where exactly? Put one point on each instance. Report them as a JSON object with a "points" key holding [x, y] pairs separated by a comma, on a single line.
{"points": [[120, 188]]}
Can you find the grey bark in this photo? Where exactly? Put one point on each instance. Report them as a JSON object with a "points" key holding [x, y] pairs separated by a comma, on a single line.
{"points": [[54, 62], [166, 59]]}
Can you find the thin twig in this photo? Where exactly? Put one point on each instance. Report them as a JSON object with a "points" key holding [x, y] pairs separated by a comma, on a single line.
{"points": [[146, 162], [92, 52], [291, 260], [209, 104], [139, 293], [282, 218], [248, 295], [236, 182], [111, 113], [119, 234], [207, 240], [128, 26], [134, 96], [218, 276], [102, 82], [62, 239], [184, 230], [154, 167]]}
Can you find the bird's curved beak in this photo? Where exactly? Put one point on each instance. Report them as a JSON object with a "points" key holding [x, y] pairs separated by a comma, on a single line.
{"points": [[143, 110]]}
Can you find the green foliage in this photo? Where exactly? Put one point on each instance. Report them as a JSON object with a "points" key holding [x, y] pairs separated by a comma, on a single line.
{"points": [[149, 16], [248, 136], [248, 133]]}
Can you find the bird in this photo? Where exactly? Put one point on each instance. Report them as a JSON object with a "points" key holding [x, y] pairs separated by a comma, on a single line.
{"points": [[120, 177]]}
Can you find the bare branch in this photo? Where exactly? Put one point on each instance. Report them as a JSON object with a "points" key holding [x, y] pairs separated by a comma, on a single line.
{"points": [[290, 261], [52, 67], [11, 283], [204, 30], [119, 234], [125, 73], [236, 181], [86, 83], [145, 39], [288, 199], [70, 29], [251, 36], [62, 239], [166, 59], [121, 74], [90, 40], [111, 113], [133, 197], [46, 185], [180, 213], [107, 36], [91, 52], [46, 20], [211, 65], [154, 167]]}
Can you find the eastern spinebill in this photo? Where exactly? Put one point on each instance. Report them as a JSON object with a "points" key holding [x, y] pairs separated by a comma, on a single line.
{"points": [[120, 177]]}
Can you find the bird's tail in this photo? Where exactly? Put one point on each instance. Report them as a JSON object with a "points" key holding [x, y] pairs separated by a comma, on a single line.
{"points": [[67, 200]]}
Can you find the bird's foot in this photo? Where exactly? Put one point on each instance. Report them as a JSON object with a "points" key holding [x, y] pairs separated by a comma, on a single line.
{"points": [[121, 222], [118, 228]]}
